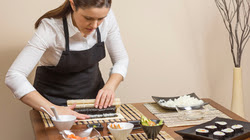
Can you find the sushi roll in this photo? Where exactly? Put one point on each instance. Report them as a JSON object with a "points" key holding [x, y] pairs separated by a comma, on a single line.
{"points": [[202, 132], [221, 125], [93, 111], [211, 128], [238, 128], [228, 131], [219, 135]]}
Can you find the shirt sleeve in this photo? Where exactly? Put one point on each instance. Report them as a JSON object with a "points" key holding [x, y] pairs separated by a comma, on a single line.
{"points": [[115, 47], [16, 77]]}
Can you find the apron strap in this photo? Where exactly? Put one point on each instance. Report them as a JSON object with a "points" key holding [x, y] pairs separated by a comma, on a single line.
{"points": [[66, 33], [98, 35]]}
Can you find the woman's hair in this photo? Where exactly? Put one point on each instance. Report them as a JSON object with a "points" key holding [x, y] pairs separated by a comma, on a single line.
{"points": [[65, 8]]}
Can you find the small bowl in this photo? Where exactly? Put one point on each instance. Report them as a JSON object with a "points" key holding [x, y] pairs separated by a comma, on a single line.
{"points": [[190, 113], [121, 134], [65, 122], [152, 131], [86, 134]]}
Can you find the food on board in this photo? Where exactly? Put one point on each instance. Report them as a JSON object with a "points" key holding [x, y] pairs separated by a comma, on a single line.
{"points": [[211, 128], [238, 128], [219, 135], [221, 125], [203, 132], [228, 131]]}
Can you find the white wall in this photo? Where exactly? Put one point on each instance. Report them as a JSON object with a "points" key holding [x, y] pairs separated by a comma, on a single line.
{"points": [[175, 48]]}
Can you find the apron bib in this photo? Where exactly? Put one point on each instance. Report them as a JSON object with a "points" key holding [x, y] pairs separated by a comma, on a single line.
{"points": [[76, 76]]}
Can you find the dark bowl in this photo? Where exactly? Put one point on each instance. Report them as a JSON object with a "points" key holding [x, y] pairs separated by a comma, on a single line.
{"points": [[97, 126], [152, 131]]}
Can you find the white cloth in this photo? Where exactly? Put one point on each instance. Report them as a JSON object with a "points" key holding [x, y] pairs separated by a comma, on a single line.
{"points": [[48, 42]]}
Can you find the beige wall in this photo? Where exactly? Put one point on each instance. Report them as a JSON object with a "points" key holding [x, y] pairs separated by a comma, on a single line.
{"points": [[175, 48]]}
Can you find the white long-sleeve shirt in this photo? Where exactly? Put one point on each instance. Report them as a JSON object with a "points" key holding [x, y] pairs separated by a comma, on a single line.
{"points": [[48, 42]]}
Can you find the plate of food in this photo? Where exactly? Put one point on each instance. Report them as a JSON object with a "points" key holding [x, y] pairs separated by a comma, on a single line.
{"points": [[86, 134], [191, 100], [218, 128]]}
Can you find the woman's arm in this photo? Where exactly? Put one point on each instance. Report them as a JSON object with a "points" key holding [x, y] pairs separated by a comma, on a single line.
{"points": [[16, 77], [119, 58], [35, 100]]}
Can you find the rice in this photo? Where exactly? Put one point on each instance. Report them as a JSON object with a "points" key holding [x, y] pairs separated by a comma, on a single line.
{"points": [[182, 101]]}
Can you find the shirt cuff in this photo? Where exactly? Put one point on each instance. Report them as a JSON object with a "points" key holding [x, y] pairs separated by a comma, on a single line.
{"points": [[23, 90], [120, 70]]}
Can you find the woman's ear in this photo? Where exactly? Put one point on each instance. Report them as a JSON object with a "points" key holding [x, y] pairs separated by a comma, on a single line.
{"points": [[72, 5]]}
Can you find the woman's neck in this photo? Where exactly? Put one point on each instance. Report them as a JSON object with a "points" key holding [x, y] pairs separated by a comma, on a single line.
{"points": [[74, 23]]}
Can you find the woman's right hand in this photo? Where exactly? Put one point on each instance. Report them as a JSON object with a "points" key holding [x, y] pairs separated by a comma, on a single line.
{"points": [[62, 110]]}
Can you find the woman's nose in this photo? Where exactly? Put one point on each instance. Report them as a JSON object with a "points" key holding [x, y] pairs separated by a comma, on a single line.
{"points": [[94, 24]]}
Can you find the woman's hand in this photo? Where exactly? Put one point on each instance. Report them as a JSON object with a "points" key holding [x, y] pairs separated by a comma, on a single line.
{"points": [[104, 98], [62, 110], [106, 95]]}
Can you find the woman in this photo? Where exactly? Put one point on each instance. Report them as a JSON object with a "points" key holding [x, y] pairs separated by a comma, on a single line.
{"points": [[69, 43]]}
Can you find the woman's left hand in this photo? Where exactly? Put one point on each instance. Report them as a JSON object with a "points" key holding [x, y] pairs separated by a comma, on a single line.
{"points": [[106, 95], [104, 98]]}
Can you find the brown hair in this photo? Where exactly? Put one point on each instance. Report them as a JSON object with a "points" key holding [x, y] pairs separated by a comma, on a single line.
{"points": [[65, 8]]}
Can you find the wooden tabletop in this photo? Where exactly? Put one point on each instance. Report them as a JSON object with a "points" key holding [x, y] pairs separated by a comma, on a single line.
{"points": [[42, 133]]}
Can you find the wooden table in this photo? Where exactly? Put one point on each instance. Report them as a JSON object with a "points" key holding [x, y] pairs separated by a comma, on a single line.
{"points": [[42, 133]]}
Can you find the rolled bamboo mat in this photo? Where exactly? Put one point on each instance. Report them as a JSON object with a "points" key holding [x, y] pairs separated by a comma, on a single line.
{"points": [[128, 111]]}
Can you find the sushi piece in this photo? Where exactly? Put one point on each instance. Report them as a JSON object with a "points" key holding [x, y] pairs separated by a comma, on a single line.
{"points": [[211, 128], [219, 135], [221, 125], [202, 132], [228, 131], [238, 128]]}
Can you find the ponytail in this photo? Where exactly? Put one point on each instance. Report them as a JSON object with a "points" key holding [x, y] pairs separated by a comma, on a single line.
{"points": [[59, 12]]}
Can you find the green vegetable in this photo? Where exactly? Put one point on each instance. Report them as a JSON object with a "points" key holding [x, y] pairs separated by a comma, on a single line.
{"points": [[147, 122], [160, 123]]}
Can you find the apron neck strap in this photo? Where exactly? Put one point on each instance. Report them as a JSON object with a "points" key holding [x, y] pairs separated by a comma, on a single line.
{"points": [[98, 35], [66, 33]]}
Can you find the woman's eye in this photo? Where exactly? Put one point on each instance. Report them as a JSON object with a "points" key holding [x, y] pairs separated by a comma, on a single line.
{"points": [[88, 18]]}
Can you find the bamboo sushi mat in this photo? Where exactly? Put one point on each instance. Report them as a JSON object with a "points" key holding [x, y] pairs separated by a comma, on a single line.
{"points": [[128, 111], [141, 136], [171, 118]]}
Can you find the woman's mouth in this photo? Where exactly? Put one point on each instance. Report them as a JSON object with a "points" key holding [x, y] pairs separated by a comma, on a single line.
{"points": [[89, 30]]}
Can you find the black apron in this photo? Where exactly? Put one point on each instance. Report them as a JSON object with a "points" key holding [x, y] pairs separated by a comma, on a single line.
{"points": [[76, 76]]}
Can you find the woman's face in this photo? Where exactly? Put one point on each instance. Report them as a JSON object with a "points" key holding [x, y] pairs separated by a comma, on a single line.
{"points": [[87, 20]]}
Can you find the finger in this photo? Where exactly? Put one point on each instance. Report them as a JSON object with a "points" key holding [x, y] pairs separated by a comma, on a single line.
{"points": [[112, 100], [103, 98], [97, 100], [72, 106], [82, 116], [86, 116], [107, 101], [79, 117]]}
